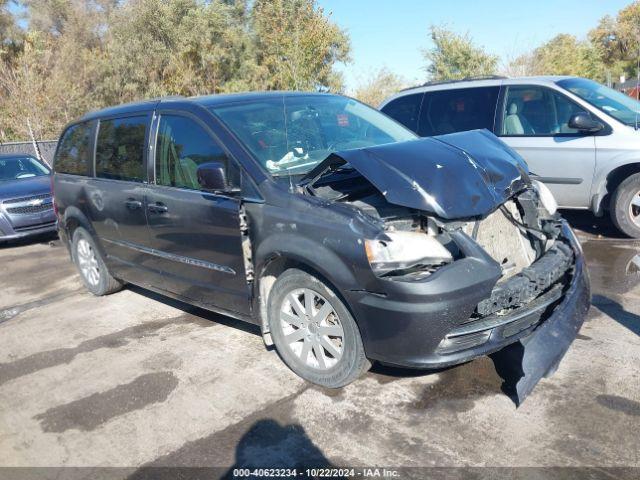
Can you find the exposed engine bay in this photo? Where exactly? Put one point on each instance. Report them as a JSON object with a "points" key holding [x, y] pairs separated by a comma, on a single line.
{"points": [[520, 234]]}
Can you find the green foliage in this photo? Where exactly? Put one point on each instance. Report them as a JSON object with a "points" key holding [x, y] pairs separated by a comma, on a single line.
{"points": [[612, 47], [297, 45], [564, 55], [380, 85], [454, 56], [10, 36], [79, 55], [618, 41]]}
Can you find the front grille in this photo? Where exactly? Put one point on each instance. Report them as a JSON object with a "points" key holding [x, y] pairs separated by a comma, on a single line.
{"points": [[518, 320], [27, 199], [34, 227], [27, 209]]}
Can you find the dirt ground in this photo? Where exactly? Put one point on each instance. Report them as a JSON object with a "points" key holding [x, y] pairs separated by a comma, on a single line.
{"points": [[138, 380]]}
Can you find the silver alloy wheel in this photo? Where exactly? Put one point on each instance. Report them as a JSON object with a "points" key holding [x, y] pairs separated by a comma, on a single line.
{"points": [[312, 329], [634, 209], [88, 262]]}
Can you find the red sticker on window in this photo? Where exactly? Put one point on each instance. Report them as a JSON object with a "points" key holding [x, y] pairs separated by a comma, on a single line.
{"points": [[460, 106], [343, 120]]}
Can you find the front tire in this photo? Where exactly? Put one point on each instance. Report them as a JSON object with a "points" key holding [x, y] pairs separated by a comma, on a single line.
{"points": [[625, 206], [314, 332], [91, 266]]}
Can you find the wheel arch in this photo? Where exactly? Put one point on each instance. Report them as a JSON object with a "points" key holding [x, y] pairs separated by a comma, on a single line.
{"points": [[72, 219], [276, 255], [610, 183]]}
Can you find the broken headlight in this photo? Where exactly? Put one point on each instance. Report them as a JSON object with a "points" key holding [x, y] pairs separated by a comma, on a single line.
{"points": [[547, 199], [404, 250]]}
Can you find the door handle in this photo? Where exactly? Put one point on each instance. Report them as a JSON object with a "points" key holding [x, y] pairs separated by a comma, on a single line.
{"points": [[158, 207], [133, 204]]}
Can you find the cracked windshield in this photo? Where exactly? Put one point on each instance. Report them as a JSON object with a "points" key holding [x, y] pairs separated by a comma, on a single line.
{"points": [[291, 135]]}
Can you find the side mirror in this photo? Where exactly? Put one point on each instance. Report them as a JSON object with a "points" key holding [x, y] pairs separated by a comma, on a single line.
{"points": [[212, 177], [584, 123]]}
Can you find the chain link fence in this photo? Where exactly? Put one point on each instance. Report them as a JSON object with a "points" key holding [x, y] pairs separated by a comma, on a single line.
{"points": [[47, 149]]}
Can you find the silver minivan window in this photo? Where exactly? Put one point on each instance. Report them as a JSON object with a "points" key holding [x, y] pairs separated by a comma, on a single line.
{"points": [[535, 111], [620, 106]]}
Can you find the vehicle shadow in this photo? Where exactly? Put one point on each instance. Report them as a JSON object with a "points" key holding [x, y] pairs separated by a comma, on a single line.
{"points": [[206, 315], [43, 238], [265, 445], [587, 223], [614, 310], [463, 383]]}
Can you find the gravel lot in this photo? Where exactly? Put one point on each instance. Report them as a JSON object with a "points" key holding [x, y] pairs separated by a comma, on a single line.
{"points": [[136, 379]]}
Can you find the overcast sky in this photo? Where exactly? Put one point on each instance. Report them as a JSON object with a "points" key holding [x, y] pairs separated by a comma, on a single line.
{"points": [[392, 32]]}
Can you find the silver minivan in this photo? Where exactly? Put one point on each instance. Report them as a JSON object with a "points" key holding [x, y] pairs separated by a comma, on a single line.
{"points": [[578, 137]]}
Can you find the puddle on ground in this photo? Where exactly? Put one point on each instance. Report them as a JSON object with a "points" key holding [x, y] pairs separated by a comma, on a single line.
{"points": [[614, 269], [97, 409]]}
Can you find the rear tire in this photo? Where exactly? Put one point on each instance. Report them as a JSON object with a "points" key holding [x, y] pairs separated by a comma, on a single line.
{"points": [[625, 206], [314, 332], [93, 272]]}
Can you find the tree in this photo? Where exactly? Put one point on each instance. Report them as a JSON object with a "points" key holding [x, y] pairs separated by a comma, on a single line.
{"points": [[618, 40], [48, 82], [78, 55], [562, 55], [378, 86], [10, 36], [454, 56], [155, 48], [297, 45]]}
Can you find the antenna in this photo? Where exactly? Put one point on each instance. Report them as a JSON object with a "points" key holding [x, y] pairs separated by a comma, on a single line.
{"points": [[36, 148]]}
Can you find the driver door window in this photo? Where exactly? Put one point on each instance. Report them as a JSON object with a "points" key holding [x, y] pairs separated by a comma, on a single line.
{"points": [[182, 146], [533, 111]]}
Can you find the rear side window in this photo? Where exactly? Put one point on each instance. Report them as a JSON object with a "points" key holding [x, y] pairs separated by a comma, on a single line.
{"points": [[182, 146], [405, 110], [120, 148], [458, 110], [74, 153]]}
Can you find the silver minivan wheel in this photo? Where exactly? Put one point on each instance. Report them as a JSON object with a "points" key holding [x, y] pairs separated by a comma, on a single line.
{"points": [[88, 262], [92, 269], [634, 209], [314, 331], [625, 206]]}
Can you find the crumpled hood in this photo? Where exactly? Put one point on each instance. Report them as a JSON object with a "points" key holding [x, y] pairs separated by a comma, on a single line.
{"points": [[25, 187], [454, 176]]}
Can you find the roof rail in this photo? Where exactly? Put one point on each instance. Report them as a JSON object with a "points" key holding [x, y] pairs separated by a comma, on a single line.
{"points": [[466, 79], [143, 101]]}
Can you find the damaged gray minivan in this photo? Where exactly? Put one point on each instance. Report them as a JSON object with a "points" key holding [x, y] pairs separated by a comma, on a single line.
{"points": [[346, 237]]}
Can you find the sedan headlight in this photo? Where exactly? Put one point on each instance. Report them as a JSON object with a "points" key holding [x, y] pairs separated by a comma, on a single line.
{"points": [[546, 197], [400, 250]]}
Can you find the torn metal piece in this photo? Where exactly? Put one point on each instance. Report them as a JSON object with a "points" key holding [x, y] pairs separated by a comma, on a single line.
{"points": [[246, 245]]}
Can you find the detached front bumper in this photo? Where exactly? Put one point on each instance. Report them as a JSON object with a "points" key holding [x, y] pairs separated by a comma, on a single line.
{"points": [[426, 324]]}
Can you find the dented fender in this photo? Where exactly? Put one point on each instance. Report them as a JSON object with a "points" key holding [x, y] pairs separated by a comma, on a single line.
{"points": [[314, 254]]}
